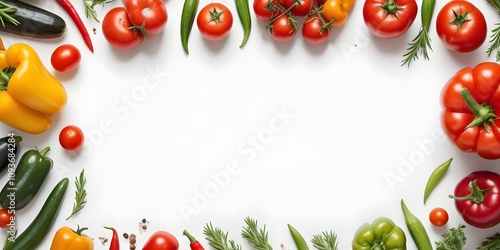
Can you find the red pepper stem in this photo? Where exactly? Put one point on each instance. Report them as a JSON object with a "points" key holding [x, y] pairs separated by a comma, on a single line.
{"points": [[476, 194], [189, 236], [483, 113]]}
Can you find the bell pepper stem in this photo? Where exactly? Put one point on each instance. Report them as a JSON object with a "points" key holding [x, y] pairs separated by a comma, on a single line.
{"points": [[483, 113], [80, 230], [476, 194], [17, 139], [44, 151]]}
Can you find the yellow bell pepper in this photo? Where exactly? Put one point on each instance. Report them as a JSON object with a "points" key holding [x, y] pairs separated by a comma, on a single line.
{"points": [[68, 239], [29, 93]]}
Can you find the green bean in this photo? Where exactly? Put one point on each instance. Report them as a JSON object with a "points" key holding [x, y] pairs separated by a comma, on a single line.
{"points": [[416, 228], [187, 19], [246, 21], [435, 177], [300, 242]]}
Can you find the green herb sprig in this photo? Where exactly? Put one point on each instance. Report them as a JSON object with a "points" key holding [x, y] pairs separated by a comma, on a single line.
{"points": [[5, 11], [80, 194], [494, 41], [325, 241], [218, 239], [453, 239], [90, 11], [491, 243], [258, 238]]}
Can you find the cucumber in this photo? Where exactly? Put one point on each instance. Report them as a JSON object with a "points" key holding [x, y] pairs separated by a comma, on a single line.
{"points": [[33, 21]]}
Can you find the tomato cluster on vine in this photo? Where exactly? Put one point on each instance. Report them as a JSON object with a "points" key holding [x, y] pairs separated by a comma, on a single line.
{"points": [[319, 17]]}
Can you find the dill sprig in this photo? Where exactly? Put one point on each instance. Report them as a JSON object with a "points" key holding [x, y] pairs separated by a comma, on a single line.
{"points": [[325, 241], [491, 243], [218, 239], [258, 238], [453, 239], [80, 194]]}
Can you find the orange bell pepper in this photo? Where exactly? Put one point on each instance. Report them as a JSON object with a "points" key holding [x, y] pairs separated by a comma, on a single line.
{"points": [[68, 239], [29, 93]]}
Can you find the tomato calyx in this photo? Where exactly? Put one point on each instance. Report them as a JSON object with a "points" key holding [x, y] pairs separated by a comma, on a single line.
{"points": [[460, 18], [483, 113], [391, 8], [215, 16], [140, 28], [476, 194]]}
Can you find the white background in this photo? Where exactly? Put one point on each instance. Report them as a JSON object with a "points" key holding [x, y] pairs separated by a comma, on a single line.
{"points": [[162, 127]]}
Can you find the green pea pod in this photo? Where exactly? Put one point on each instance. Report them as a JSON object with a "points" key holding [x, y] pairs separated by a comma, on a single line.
{"points": [[29, 176], [300, 242], [416, 228], [244, 13], [38, 229], [187, 19], [435, 177]]}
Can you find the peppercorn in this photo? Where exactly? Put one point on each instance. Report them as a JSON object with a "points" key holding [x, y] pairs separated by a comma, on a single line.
{"points": [[132, 247], [125, 235]]}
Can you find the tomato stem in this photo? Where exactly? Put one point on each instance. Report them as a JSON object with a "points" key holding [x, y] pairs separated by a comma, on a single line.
{"points": [[391, 7], [460, 18], [476, 194], [483, 113]]}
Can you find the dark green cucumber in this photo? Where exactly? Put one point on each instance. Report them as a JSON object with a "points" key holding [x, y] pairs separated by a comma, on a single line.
{"points": [[33, 21], [34, 234]]}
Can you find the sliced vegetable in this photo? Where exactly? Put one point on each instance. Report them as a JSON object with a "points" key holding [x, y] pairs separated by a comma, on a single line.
{"points": [[257, 237], [477, 199], [29, 176], [454, 239], [243, 9], [70, 9], [382, 233], [416, 228], [299, 240], [188, 15], [194, 244], [161, 240], [68, 239], [435, 178], [9, 147], [38, 229]]}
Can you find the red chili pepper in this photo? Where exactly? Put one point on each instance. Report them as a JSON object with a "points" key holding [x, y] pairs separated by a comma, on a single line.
{"points": [[70, 9], [194, 244], [115, 241]]}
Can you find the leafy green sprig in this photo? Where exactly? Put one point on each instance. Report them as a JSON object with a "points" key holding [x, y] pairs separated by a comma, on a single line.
{"points": [[453, 239], [80, 194], [325, 241], [494, 42], [491, 243], [90, 11], [218, 239], [258, 238]]}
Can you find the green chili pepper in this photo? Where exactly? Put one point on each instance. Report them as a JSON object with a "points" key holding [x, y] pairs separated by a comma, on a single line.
{"points": [[382, 233], [246, 21], [34, 234], [29, 176], [435, 177], [187, 19], [300, 242], [416, 228]]}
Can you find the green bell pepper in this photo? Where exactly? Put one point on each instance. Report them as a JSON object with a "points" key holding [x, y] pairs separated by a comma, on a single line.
{"points": [[381, 234]]}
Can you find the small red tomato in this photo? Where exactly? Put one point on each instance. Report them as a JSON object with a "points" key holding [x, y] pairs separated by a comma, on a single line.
{"points": [[5, 218], [438, 217], [161, 240], [71, 138], [150, 13], [214, 21], [119, 31], [314, 30], [283, 28], [65, 58], [265, 9]]}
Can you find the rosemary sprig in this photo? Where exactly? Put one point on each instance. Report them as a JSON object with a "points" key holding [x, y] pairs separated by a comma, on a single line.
{"points": [[80, 194], [495, 36], [491, 243], [325, 241], [90, 11], [218, 239], [258, 238], [453, 239], [5, 10]]}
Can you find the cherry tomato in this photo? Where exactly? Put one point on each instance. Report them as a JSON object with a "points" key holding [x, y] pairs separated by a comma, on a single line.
{"points": [[5, 218], [152, 13], [214, 21], [265, 9], [337, 11], [71, 138], [119, 31], [298, 7], [65, 58], [161, 240], [438, 217], [461, 26], [389, 18], [283, 28], [314, 30]]}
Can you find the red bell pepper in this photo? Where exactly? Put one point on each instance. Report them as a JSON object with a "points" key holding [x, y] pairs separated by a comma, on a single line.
{"points": [[471, 109], [477, 199]]}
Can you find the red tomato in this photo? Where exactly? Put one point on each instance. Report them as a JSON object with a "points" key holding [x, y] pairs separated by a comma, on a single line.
{"points": [[461, 26], [314, 30], [283, 28], [389, 18], [298, 7], [5, 218], [151, 13], [119, 31], [71, 138], [265, 9], [438, 217], [161, 240], [65, 58], [214, 21]]}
